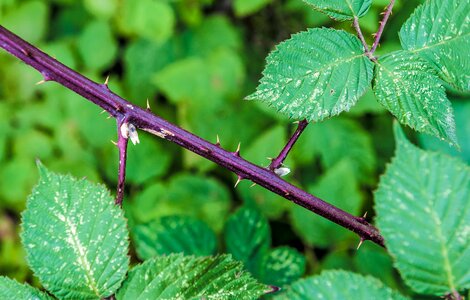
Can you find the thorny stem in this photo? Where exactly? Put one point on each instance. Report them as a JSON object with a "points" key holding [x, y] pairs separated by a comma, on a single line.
{"points": [[122, 146], [378, 35], [52, 70], [360, 35], [277, 162]]}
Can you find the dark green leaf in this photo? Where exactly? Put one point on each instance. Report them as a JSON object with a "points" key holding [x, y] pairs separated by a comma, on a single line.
{"points": [[174, 234], [281, 266]]}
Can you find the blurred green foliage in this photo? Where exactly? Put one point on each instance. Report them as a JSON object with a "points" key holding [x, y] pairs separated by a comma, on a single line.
{"points": [[194, 60]]}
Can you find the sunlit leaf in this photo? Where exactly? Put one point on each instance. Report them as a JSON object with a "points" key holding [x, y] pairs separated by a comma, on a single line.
{"points": [[423, 213], [75, 237], [341, 9], [315, 75], [187, 277], [247, 7], [409, 88], [11, 289], [439, 31]]}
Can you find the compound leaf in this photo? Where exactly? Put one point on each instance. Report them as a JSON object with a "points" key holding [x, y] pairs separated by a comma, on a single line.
{"points": [[423, 213], [75, 237], [439, 31], [315, 75], [339, 285], [281, 266], [409, 88], [187, 277], [174, 234], [11, 289], [341, 10], [247, 236]]}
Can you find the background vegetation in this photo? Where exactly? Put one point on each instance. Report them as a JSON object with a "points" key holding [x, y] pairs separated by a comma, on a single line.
{"points": [[194, 60]]}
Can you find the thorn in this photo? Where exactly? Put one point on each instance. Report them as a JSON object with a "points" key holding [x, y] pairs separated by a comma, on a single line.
{"points": [[273, 289], [360, 243], [106, 81], [102, 112], [254, 183], [41, 82], [237, 152], [365, 215], [109, 117], [286, 193], [270, 158], [148, 105], [218, 141], [296, 122], [115, 144], [239, 179]]}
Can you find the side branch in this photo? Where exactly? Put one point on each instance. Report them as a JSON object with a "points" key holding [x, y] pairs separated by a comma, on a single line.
{"points": [[277, 162], [123, 139], [117, 107], [378, 35]]}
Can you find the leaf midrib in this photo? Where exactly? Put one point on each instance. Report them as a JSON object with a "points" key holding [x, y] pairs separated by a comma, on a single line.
{"points": [[443, 42]]}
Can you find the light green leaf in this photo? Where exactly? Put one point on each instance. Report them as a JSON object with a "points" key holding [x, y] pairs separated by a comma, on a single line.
{"points": [[247, 7], [174, 234], [439, 31], [341, 10], [318, 231], [75, 237], [247, 236], [315, 75], [423, 213], [101, 9], [410, 89], [187, 277], [281, 266], [27, 16], [340, 285], [97, 45], [154, 20], [11, 289]]}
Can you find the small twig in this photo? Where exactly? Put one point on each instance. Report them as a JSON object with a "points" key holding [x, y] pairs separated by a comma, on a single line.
{"points": [[277, 162], [123, 139], [360, 35], [378, 35]]}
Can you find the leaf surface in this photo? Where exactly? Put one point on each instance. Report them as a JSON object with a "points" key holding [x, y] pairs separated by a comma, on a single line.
{"points": [[423, 213], [75, 237], [341, 10], [409, 88], [315, 75], [281, 266], [187, 277], [247, 236], [339, 285], [439, 31], [11, 289], [174, 234]]}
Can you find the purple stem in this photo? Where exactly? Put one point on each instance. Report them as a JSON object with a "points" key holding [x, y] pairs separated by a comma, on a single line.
{"points": [[378, 35], [277, 162], [122, 146], [360, 35], [117, 107]]}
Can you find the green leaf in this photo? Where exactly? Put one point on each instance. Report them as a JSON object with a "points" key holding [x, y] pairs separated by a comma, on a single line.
{"points": [[97, 45], [423, 213], [101, 9], [410, 89], [439, 31], [247, 7], [174, 234], [341, 10], [315, 75], [318, 231], [339, 285], [247, 236], [11, 289], [154, 20], [281, 266], [75, 237], [188, 277], [27, 16]]}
